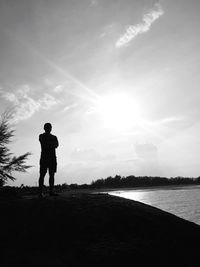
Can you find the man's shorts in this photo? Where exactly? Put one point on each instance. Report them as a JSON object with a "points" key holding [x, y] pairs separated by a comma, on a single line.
{"points": [[48, 164]]}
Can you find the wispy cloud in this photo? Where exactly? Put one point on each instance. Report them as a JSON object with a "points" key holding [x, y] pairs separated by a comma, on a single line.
{"points": [[133, 30], [25, 105], [69, 107], [58, 89], [107, 30], [172, 119], [167, 121], [90, 155], [93, 3], [47, 101]]}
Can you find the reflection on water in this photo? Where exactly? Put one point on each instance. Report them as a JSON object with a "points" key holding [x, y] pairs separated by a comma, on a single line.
{"points": [[182, 201]]}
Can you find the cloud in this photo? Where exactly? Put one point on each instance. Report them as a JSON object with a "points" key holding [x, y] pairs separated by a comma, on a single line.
{"points": [[9, 97], [133, 30], [107, 30], [146, 151], [93, 3], [172, 119], [168, 120], [59, 88], [85, 155], [24, 105], [90, 155], [47, 101], [69, 107]]}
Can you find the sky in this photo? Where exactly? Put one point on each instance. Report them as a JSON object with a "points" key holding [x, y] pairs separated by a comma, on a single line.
{"points": [[117, 79]]}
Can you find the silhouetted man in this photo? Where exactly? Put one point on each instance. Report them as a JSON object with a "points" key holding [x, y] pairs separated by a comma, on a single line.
{"points": [[48, 161]]}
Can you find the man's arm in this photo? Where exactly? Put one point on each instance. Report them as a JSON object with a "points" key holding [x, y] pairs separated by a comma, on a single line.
{"points": [[56, 144], [41, 139], [48, 142], [45, 142]]}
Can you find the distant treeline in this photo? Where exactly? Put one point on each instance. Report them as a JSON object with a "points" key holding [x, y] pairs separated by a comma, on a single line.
{"points": [[117, 181], [141, 181], [132, 181]]}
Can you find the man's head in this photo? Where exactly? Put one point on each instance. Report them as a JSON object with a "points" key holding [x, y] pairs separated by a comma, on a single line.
{"points": [[47, 127]]}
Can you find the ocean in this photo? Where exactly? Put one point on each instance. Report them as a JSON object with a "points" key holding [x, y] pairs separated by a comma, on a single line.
{"points": [[183, 201]]}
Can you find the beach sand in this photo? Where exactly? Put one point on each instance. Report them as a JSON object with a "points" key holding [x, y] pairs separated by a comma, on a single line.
{"points": [[84, 229]]}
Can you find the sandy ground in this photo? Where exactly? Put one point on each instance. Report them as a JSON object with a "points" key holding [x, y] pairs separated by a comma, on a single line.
{"points": [[78, 228]]}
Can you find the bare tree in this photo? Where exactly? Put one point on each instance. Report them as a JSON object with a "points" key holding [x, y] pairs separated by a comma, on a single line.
{"points": [[8, 162]]}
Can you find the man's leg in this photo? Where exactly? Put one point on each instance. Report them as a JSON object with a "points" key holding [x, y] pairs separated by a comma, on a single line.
{"points": [[51, 180], [41, 179], [52, 171]]}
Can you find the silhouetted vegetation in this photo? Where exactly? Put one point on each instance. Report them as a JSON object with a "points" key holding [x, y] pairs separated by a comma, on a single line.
{"points": [[8, 162], [132, 181], [116, 182]]}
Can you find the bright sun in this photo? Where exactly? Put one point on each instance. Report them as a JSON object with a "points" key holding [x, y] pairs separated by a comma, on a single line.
{"points": [[118, 111]]}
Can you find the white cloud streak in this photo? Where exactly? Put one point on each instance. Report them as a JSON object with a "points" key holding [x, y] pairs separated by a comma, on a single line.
{"points": [[69, 107], [168, 120], [134, 30], [172, 119], [24, 105]]}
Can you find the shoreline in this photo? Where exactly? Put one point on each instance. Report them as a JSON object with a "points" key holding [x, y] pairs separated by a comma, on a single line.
{"points": [[151, 188]]}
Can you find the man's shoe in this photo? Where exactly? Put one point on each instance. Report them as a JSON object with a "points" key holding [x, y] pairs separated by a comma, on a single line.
{"points": [[41, 196]]}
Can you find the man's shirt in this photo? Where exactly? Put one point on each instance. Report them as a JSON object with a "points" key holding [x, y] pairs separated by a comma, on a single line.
{"points": [[49, 143]]}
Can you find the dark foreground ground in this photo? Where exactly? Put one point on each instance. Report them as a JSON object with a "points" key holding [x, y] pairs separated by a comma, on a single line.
{"points": [[94, 230]]}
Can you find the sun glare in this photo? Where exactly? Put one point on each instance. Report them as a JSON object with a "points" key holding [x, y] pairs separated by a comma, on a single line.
{"points": [[118, 111]]}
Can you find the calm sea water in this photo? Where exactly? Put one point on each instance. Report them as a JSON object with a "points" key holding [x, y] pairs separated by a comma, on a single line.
{"points": [[183, 201]]}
